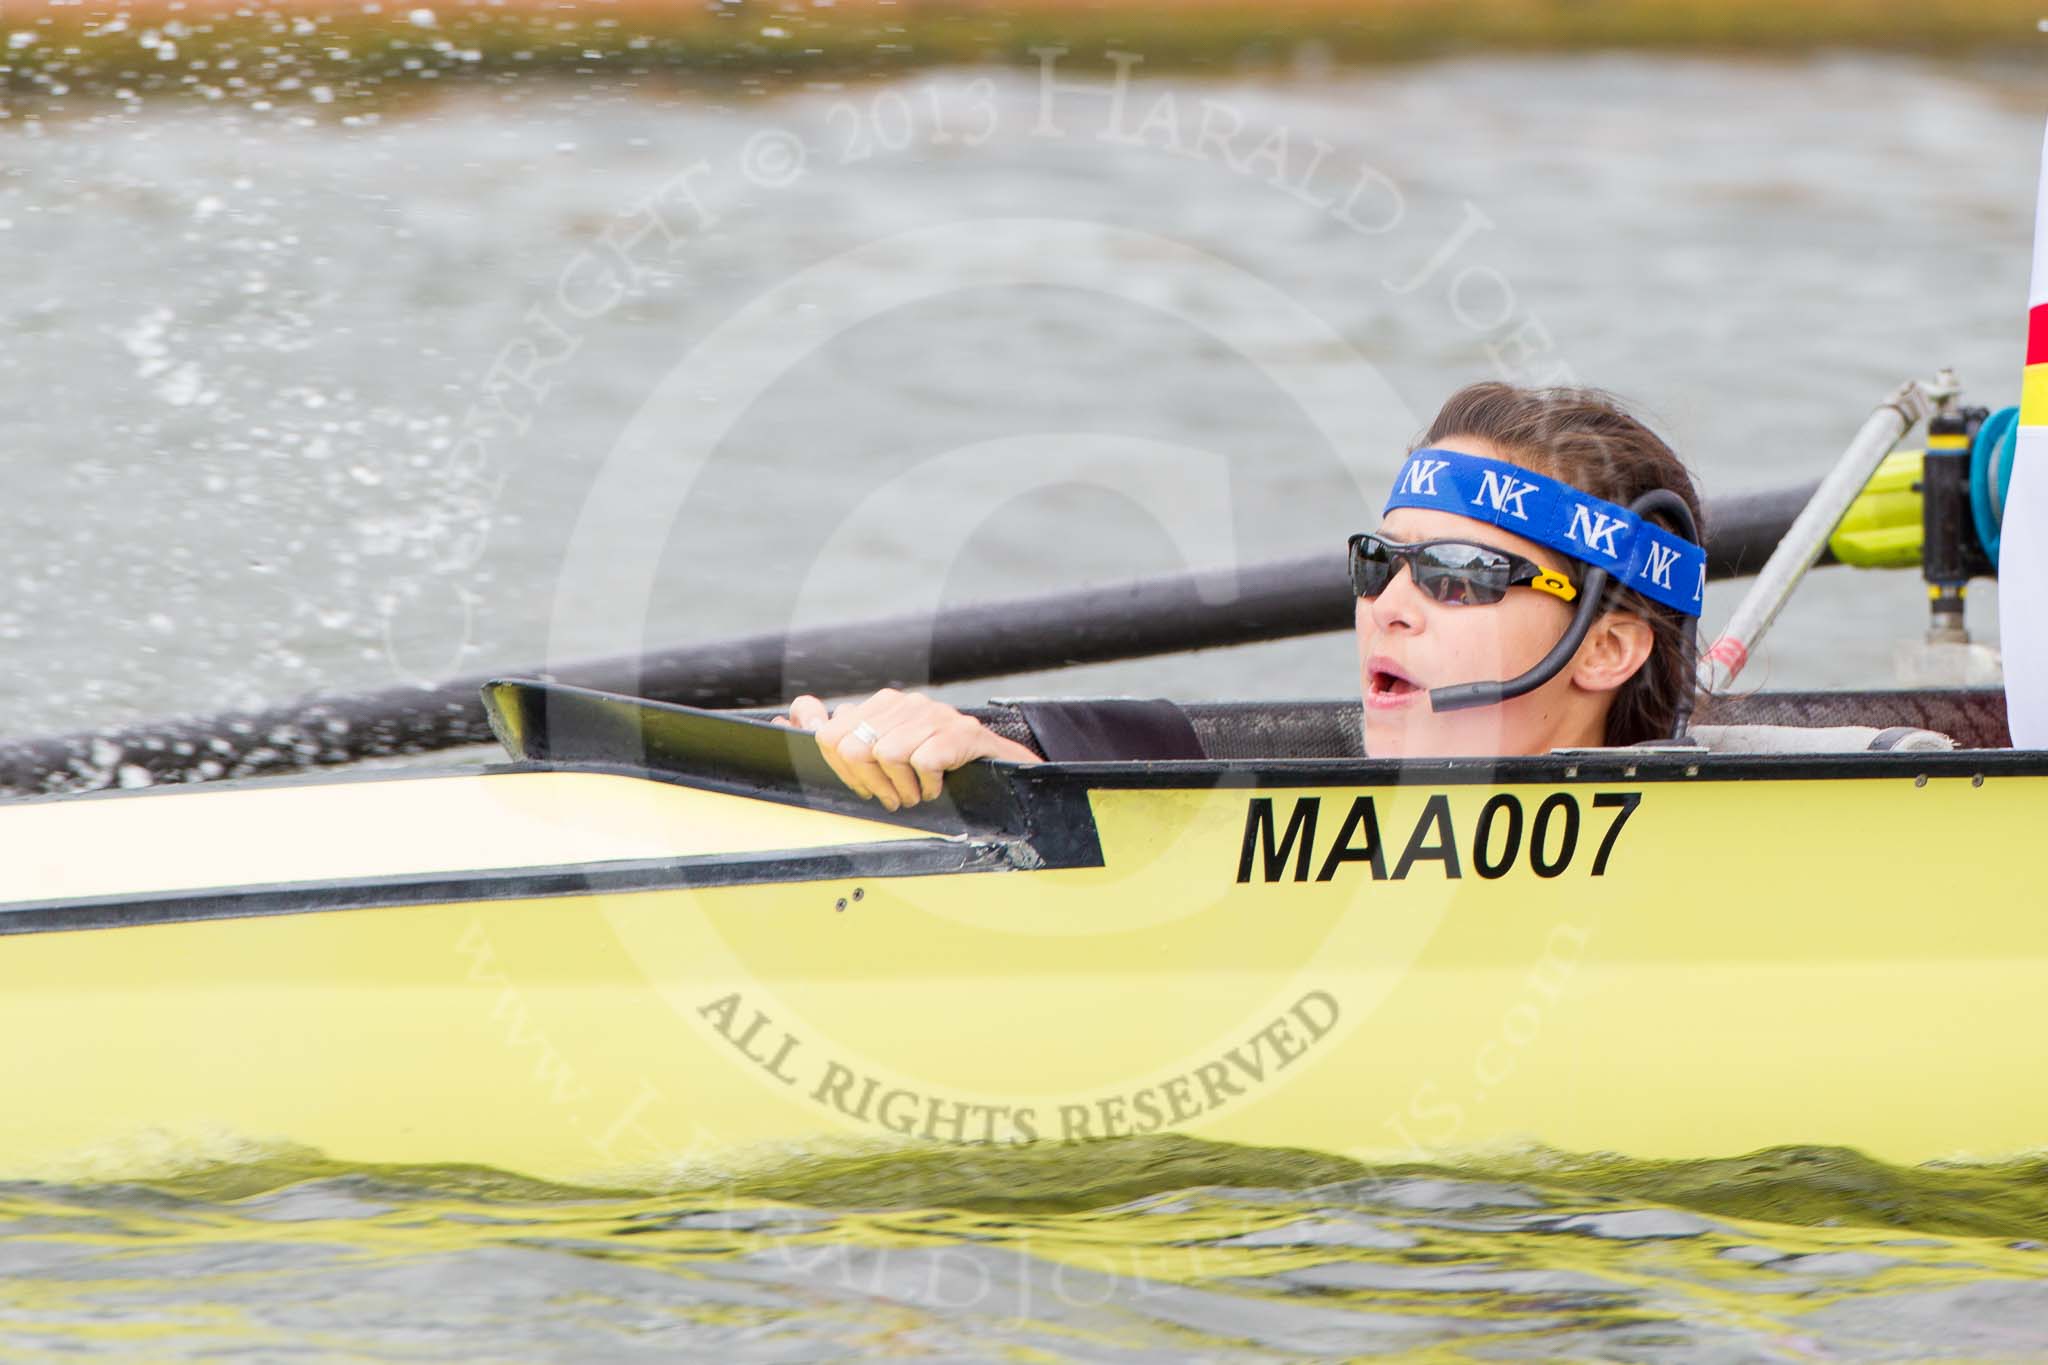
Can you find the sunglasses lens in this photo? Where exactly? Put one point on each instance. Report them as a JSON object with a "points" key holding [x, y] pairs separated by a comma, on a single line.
{"points": [[1372, 567], [1452, 586], [1457, 574], [1462, 575]]}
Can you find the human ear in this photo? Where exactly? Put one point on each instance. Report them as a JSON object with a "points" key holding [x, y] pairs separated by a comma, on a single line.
{"points": [[1615, 650]]}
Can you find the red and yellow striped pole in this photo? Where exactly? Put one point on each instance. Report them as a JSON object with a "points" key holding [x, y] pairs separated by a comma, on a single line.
{"points": [[2023, 535]]}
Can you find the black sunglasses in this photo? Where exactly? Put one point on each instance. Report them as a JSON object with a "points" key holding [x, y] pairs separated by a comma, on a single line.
{"points": [[1457, 572]]}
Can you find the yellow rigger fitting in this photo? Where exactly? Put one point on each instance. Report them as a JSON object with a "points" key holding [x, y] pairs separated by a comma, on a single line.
{"points": [[1882, 528]]}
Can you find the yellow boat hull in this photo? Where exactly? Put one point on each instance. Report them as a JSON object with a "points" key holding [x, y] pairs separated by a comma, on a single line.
{"points": [[558, 972]]}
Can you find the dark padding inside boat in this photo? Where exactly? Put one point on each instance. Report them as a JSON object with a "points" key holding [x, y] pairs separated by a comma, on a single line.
{"points": [[1973, 717]]}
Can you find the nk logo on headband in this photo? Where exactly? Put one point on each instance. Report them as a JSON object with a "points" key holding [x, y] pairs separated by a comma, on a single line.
{"points": [[1594, 529], [1419, 476], [1636, 553], [1661, 558], [1504, 493]]}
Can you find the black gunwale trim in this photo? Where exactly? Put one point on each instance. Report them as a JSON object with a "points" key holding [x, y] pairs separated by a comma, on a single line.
{"points": [[893, 858], [1578, 767]]}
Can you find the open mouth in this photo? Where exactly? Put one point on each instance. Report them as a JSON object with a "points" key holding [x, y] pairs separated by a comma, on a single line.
{"points": [[1387, 684]]}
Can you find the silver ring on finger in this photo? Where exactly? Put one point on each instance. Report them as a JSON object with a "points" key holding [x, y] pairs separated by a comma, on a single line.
{"points": [[866, 734]]}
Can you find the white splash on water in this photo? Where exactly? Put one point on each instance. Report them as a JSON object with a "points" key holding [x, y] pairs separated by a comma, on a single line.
{"points": [[184, 386]]}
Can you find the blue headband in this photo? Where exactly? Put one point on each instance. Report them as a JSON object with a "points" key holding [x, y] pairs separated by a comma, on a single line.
{"points": [[1659, 565]]}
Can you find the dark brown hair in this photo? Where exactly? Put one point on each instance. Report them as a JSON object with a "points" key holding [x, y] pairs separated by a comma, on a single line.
{"points": [[1586, 438]]}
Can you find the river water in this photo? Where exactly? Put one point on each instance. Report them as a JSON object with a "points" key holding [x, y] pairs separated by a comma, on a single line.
{"points": [[1142, 1250], [330, 395], [302, 399]]}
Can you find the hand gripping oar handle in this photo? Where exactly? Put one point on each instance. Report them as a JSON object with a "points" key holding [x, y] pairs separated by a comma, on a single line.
{"points": [[1592, 597], [1808, 535]]}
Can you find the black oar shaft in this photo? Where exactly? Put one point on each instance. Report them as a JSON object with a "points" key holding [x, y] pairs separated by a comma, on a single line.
{"points": [[1166, 615], [1744, 528]]}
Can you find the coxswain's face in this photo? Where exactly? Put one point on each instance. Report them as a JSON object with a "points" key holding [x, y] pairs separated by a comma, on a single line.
{"points": [[1409, 643]]}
